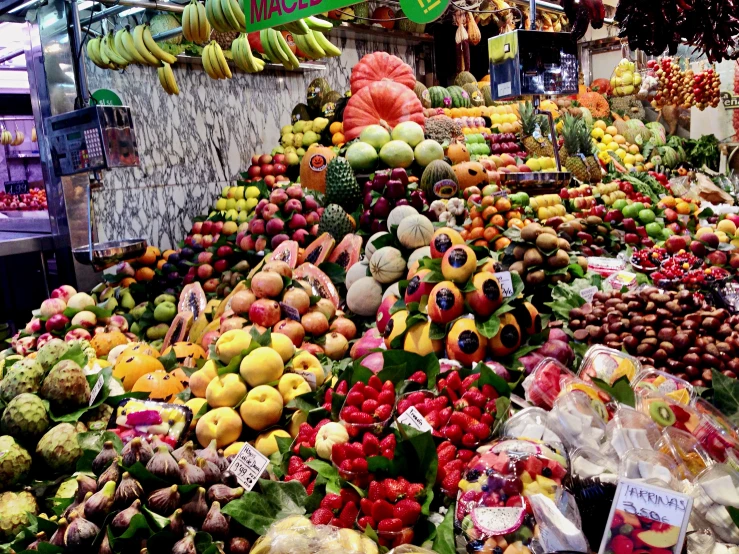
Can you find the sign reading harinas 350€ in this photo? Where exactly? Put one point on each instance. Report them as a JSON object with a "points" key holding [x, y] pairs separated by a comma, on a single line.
{"points": [[261, 14]]}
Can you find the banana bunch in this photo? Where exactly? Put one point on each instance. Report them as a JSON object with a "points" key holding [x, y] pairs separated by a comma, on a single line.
{"points": [[195, 26], [214, 62], [276, 49], [34, 137], [19, 138], [243, 57], [123, 48], [225, 15], [6, 138], [166, 79], [315, 45], [103, 52]]}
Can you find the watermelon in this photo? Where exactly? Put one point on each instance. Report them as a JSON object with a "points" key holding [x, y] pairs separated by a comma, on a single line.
{"points": [[460, 97], [440, 97], [659, 136], [669, 156]]}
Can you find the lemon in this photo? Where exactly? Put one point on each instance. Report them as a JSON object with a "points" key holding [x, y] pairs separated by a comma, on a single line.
{"points": [[252, 192]]}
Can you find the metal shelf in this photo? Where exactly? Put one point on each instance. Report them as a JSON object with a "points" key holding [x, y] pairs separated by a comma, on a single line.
{"points": [[304, 66], [352, 30]]}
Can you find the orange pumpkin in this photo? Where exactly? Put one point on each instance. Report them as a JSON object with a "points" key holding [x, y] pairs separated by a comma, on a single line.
{"points": [[129, 369], [185, 350], [457, 153], [160, 385], [380, 66], [471, 174], [382, 102], [603, 86]]}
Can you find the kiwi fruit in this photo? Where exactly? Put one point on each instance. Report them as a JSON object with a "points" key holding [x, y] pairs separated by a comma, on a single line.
{"points": [[559, 260], [548, 231], [532, 258], [563, 245], [535, 277], [661, 413], [600, 408], [546, 242], [519, 251], [530, 232], [517, 267]]}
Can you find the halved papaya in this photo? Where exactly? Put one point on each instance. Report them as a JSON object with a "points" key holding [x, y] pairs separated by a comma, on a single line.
{"points": [[347, 253], [318, 250], [286, 252], [317, 282]]}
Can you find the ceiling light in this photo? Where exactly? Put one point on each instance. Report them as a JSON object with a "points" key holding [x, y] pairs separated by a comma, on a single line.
{"points": [[24, 6]]}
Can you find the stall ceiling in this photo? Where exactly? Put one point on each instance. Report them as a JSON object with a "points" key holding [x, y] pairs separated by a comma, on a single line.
{"points": [[13, 77]]}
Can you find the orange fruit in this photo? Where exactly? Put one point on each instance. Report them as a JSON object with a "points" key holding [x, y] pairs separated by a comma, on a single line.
{"points": [[515, 222], [477, 221], [490, 233], [144, 274], [502, 243], [336, 127], [488, 212], [476, 233], [160, 263], [337, 139], [127, 281], [498, 220], [488, 201], [502, 204], [149, 257], [167, 253]]}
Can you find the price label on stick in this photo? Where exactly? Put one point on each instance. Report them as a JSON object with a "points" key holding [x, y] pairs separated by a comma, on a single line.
{"points": [[248, 466], [588, 293], [96, 389], [413, 418], [506, 283], [661, 514]]}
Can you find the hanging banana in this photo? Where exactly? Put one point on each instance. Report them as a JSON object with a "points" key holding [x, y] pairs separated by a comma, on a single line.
{"points": [[166, 79], [195, 26], [243, 57]]}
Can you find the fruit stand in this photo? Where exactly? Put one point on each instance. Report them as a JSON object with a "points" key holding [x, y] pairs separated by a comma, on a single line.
{"points": [[428, 319]]}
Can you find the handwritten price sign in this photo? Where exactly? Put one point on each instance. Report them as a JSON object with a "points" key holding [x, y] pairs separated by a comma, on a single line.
{"points": [[506, 283], [248, 466]]}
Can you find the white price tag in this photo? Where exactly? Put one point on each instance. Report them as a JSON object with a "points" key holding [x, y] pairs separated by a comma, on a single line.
{"points": [[308, 376], [504, 89], [96, 389], [647, 506], [506, 284], [413, 418], [248, 466], [588, 293]]}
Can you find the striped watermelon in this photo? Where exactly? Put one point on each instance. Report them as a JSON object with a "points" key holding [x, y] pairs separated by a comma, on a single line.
{"points": [[440, 97], [460, 97]]}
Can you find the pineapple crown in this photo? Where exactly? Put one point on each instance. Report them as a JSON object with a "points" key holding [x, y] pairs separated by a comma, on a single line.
{"points": [[583, 135], [571, 134], [529, 119]]}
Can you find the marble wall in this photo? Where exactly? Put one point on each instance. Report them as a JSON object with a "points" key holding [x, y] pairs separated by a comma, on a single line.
{"points": [[194, 144]]}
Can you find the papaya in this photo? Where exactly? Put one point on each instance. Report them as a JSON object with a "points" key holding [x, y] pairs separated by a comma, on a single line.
{"points": [[528, 318], [346, 254], [286, 252], [318, 250], [316, 282]]}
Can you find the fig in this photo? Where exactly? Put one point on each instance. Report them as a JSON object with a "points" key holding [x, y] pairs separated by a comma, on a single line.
{"points": [[191, 474], [163, 465], [105, 546], [209, 453], [185, 452], [163, 501], [128, 491], [123, 519], [196, 508], [100, 503], [85, 484], [224, 494], [111, 474], [177, 523], [80, 534], [239, 545], [185, 545], [215, 522], [104, 458], [212, 471], [137, 450], [57, 539]]}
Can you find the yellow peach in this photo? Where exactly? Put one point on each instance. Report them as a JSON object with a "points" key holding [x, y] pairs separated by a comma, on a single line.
{"points": [[262, 407], [292, 385], [225, 391], [266, 443], [200, 380], [222, 425], [262, 365]]}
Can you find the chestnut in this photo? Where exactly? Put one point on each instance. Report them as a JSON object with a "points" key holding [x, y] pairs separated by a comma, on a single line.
{"points": [[711, 323], [692, 371], [707, 375], [631, 342], [666, 334]]}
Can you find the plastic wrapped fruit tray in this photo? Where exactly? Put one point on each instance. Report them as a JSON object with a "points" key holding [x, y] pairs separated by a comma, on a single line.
{"points": [[537, 182]]}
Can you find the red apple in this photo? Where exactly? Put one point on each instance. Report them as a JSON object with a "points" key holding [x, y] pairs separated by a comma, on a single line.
{"points": [[255, 159], [265, 159], [279, 169], [270, 180], [221, 265], [207, 240], [206, 228], [268, 169], [205, 271], [224, 251], [254, 171], [217, 227], [197, 226], [205, 257], [279, 159]]}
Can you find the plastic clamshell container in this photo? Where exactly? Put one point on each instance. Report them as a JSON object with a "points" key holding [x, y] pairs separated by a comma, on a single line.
{"points": [[665, 412], [149, 418], [530, 423], [716, 489], [661, 382], [630, 429], [545, 382], [589, 463], [691, 458], [651, 466], [717, 435], [517, 448], [608, 365], [574, 419], [600, 400]]}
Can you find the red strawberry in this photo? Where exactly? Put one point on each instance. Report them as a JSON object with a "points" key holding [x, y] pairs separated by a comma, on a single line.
{"points": [[349, 514], [453, 433], [388, 442], [354, 398], [415, 490], [453, 381], [462, 419], [388, 453], [474, 397], [364, 521], [473, 411], [425, 407], [440, 402], [467, 382], [332, 502], [388, 385], [516, 501], [433, 419], [375, 491], [446, 454], [403, 405], [346, 465], [294, 465], [305, 430], [328, 396], [386, 397], [371, 444], [310, 487], [375, 383], [322, 516], [342, 388], [450, 484], [349, 495], [335, 522], [361, 418], [489, 391], [382, 509], [440, 384], [359, 465], [417, 397], [369, 406], [370, 393], [487, 419], [469, 440], [338, 453], [302, 477], [366, 505], [358, 386], [445, 413], [354, 450], [348, 411], [620, 544], [393, 490], [407, 511], [454, 465], [383, 412], [390, 525], [490, 406], [465, 455], [418, 377], [453, 396], [404, 537], [480, 430]]}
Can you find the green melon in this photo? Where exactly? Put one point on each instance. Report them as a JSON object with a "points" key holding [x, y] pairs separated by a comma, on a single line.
{"points": [[463, 78], [487, 95], [316, 93], [300, 113], [361, 10], [439, 180], [476, 98]]}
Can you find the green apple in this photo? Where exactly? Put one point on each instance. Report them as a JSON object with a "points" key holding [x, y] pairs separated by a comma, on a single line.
{"points": [[646, 216], [620, 204], [240, 205], [653, 229]]}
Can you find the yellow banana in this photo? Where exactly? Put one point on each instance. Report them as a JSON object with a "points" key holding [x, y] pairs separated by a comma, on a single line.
{"points": [[113, 54], [93, 52], [239, 13], [255, 63], [315, 48], [154, 48], [206, 62], [326, 44], [169, 77], [219, 20], [222, 62], [186, 29], [120, 48], [130, 47], [228, 15], [318, 24], [238, 55], [204, 25], [138, 41], [163, 80]]}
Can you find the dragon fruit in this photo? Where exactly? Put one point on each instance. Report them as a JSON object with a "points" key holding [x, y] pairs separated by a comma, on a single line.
{"points": [[495, 522]]}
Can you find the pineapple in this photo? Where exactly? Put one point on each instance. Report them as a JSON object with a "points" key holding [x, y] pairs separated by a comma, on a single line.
{"points": [[574, 163], [569, 126], [586, 147], [529, 120]]}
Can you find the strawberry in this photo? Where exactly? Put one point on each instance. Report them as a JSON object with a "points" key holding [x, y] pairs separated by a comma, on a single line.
{"points": [[354, 398], [445, 413], [342, 388], [433, 419], [621, 544], [425, 407], [370, 393], [473, 411], [388, 453], [375, 383], [489, 391], [349, 495], [359, 465], [453, 432], [393, 490], [465, 455], [446, 454], [454, 465], [480, 430], [366, 504], [417, 397], [371, 444], [381, 509], [383, 412], [335, 522], [365, 521], [386, 397], [469, 440], [369, 406], [328, 396], [440, 402], [404, 537], [322, 516], [415, 490], [388, 385], [338, 453], [358, 386], [354, 450], [454, 382], [348, 411], [361, 418], [440, 384], [332, 502], [462, 419], [490, 406], [516, 501], [302, 477], [403, 405], [388, 443], [407, 511], [450, 484], [294, 465], [375, 491], [474, 397], [310, 487], [487, 419], [346, 465], [391, 525], [468, 381], [349, 514], [452, 395], [418, 377]]}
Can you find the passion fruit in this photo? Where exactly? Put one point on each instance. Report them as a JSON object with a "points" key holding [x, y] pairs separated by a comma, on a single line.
{"points": [[528, 318], [508, 338], [445, 303], [464, 344], [459, 263], [443, 239], [488, 295]]}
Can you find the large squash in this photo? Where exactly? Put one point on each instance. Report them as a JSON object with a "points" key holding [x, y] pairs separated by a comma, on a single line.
{"points": [[380, 66], [384, 103]]}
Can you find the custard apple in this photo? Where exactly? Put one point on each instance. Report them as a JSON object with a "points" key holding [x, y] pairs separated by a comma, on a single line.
{"points": [[13, 512], [23, 376], [59, 448], [66, 387], [50, 353], [25, 417], [97, 418], [15, 462]]}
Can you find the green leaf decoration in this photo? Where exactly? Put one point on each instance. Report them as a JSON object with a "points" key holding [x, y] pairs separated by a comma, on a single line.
{"points": [[620, 390], [444, 541], [726, 395], [169, 360]]}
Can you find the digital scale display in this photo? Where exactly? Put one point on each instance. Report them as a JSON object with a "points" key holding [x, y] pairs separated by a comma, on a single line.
{"points": [[74, 136]]}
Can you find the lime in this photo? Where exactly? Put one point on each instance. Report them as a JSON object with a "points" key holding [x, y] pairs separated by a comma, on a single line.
{"points": [[647, 216], [620, 204], [653, 229]]}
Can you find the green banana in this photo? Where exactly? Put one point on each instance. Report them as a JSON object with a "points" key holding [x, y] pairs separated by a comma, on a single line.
{"points": [[326, 44], [318, 24]]}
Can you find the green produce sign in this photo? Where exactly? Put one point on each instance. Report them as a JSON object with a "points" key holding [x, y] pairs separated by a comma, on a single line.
{"points": [[423, 11], [105, 97], [262, 14]]}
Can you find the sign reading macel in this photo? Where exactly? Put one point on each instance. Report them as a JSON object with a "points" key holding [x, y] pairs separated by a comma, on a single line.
{"points": [[262, 14]]}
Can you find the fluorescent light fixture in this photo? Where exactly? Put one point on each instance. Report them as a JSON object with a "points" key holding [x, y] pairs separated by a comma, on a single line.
{"points": [[85, 5], [132, 11], [24, 6]]}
